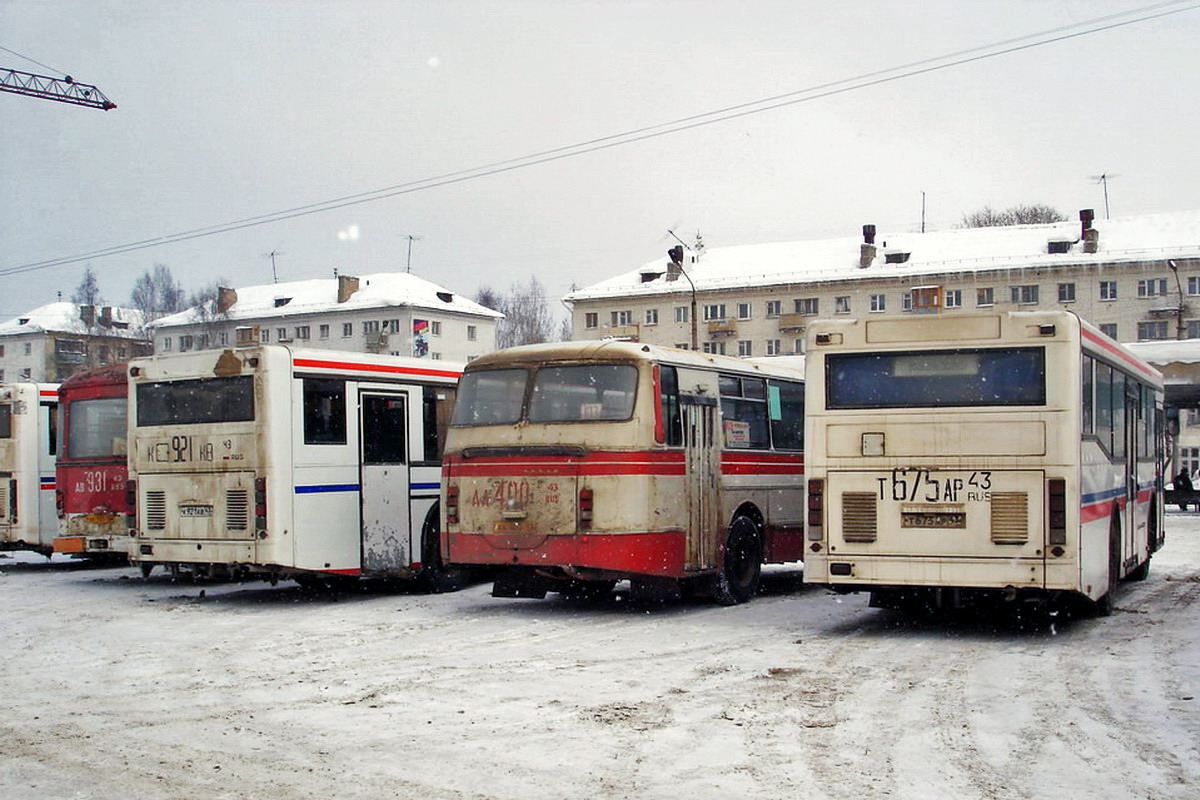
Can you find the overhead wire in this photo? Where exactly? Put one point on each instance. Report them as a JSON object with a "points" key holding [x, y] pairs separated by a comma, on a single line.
{"points": [[820, 91]]}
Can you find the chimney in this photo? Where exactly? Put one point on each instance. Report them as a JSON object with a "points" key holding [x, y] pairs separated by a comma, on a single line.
{"points": [[347, 286], [106, 317], [866, 254], [88, 315], [226, 298], [1091, 236]]}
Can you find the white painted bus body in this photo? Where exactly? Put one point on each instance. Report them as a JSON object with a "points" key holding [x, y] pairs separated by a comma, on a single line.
{"points": [[28, 422], [1027, 499], [328, 467]]}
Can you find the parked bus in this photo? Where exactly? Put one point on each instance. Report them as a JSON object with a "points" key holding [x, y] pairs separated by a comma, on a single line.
{"points": [[278, 463], [28, 441], [571, 466], [955, 458], [91, 467]]}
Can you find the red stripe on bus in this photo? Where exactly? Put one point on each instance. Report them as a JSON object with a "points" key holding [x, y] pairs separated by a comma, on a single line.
{"points": [[642, 553], [48, 393], [313, 363], [1112, 349]]}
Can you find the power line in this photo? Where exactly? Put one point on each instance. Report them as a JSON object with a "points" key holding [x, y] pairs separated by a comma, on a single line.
{"points": [[820, 91]]}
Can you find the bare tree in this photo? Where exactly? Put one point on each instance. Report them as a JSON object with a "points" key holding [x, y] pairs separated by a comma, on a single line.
{"points": [[156, 293], [489, 298], [527, 317], [204, 302], [1023, 214], [87, 293]]}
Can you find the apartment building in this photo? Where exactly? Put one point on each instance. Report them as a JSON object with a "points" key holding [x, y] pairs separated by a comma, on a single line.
{"points": [[1137, 278], [387, 312], [52, 342]]}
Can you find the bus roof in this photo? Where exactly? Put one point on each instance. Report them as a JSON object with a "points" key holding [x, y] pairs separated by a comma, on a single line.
{"points": [[101, 376]]}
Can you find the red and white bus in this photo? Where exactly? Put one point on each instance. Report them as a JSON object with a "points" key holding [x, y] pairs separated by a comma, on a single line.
{"points": [[28, 442], [571, 466], [958, 457], [278, 463], [92, 465]]}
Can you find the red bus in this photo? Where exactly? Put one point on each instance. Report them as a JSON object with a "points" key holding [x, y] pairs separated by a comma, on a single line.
{"points": [[91, 467]]}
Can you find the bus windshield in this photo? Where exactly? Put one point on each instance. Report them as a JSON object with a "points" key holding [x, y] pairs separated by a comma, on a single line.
{"points": [[567, 393], [193, 402], [96, 428], [937, 379]]}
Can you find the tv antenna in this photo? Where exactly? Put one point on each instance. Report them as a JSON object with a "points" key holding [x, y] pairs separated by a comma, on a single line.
{"points": [[271, 255], [411, 239], [1103, 178]]}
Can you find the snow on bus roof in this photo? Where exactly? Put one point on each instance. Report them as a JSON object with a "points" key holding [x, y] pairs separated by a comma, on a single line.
{"points": [[959, 250]]}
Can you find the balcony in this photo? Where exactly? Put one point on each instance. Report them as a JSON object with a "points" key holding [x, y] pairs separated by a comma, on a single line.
{"points": [[793, 323], [721, 327]]}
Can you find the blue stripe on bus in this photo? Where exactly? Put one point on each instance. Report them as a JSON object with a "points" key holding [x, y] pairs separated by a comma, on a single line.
{"points": [[1107, 494], [416, 487], [331, 487]]}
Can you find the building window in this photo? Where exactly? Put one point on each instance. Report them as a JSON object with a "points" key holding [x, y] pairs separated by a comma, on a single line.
{"points": [[841, 305], [472, 333], [714, 348], [621, 318], [743, 311], [27, 374], [714, 311], [266, 335], [651, 316], [773, 308], [281, 335], [185, 343], [1026, 295], [390, 325], [798, 346], [1108, 290], [323, 331], [906, 301], [223, 338], [347, 330], [28, 348], [591, 320], [773, 347], [1193, 329], [681, 345], [370, 326], [1152, 287], [878, 302], [122, 353], [1, 351], [1194, 285], [1151, 331], [808, 305], [681, 314], [435, 356], [745, 348], [435, 327], [166, 344], [1, 375], [985, 297], [302, 332], [1109, 329], [1066, 293], [953, 298]]}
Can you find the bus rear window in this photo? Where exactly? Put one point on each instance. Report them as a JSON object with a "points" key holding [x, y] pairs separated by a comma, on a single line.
{"points": [[195, 402], [583, 393], [936, 379], [490, 397], [96, 428]]}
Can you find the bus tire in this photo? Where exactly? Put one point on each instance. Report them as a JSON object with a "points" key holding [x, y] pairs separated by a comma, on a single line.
{"points": [[739, 577], [1104, 606], [436, 575]]}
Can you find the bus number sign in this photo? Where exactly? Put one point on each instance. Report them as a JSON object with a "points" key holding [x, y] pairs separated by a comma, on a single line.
{"points": [[922, 485]]}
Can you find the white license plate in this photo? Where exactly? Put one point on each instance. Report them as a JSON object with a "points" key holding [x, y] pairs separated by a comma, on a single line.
{"points": [[195, 511]]}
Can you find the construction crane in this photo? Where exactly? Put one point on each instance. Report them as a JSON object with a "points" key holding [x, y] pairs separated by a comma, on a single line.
{"points": [[62, 90]]}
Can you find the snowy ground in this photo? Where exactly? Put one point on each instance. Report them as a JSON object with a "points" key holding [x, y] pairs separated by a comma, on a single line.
{"points": [[118, 687]]}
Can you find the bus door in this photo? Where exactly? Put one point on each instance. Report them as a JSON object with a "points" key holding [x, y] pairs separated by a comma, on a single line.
{"points": [[702, 460], [1135, 516], [383, 422]]}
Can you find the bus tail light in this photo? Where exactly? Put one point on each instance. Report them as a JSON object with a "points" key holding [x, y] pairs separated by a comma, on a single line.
{"points": [[260, 504], [585, 508], [816, 508], [1056, 507], [660, 431], [131, 504], [452, 505]]}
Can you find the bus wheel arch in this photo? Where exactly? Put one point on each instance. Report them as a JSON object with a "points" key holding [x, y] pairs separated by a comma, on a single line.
{"points": [[1104, 605], [436, 575], [741, 566]]}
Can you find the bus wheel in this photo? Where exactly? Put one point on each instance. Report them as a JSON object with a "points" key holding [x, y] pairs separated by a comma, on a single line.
{"points": [[738, 580], [1104, 606], [436, 575], [146, 570]]}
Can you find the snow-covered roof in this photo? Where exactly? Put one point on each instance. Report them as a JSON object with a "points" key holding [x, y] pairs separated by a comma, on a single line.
{"points": [[65, 317], [380, 290], [1150, 237], [1168, 351]]}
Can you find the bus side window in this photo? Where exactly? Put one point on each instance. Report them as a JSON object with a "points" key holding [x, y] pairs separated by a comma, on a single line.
{"points": [[669, 400], [785, 404], [744, 412], [52, 410], [324, 411], [1089, 397], [437, 406]]}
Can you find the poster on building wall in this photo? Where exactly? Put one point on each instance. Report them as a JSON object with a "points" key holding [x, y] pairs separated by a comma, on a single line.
{"points": [[420, 338]]}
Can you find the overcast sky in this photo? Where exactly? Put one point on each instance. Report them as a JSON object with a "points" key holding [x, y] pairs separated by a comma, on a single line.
{"points": [[230, 110]]}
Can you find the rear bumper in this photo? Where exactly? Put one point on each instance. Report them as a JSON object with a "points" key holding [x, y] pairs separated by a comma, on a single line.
{"points": [[658, 553]]}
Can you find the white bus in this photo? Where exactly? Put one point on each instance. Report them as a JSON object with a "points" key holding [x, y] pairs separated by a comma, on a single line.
{"points": [[571, 466], [282, 463], [956, 457], [28, 443]]}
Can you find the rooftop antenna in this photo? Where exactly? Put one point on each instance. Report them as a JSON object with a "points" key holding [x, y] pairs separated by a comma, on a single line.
{"points": [[408, 264], [271, 255], [1103, 178]]}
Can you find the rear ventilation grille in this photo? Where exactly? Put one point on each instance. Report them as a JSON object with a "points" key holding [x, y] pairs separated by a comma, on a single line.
{"points": [[4, 501], [237, 509], [156, 510], [1010, 517], [858, 517]]}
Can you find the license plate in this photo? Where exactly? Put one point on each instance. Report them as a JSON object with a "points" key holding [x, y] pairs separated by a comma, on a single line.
{"points": [[912, 519], [195, 511]]}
